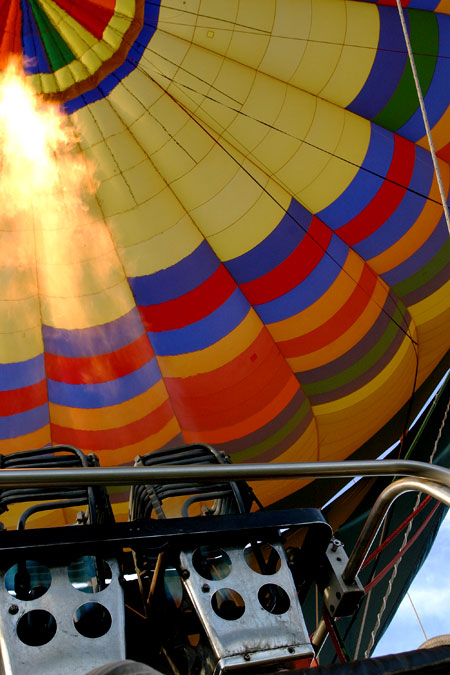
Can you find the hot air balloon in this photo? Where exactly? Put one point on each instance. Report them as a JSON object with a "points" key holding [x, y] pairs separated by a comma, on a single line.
{"points": [[263, 262]]}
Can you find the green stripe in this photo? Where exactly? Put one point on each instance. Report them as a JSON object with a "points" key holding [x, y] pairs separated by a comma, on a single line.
{"points": [[58, 52], [425, 274], [276, 438], [364, 364], [424, 36]]}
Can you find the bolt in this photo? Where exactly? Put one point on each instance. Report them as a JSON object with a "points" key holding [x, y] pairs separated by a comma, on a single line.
{"points": [[205, 588], [13, 609], [247, 657], [291, 650], [185, 574]]}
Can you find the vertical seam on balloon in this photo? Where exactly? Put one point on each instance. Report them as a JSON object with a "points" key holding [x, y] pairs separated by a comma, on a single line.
{"points": [[105, 223]]}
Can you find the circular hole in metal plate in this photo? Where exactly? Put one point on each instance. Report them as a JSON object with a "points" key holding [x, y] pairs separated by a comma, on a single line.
{"points": [[274, 599], [89, 574], [92, 620], [211, 563], [28, 580], [228, 604], [36, 628], [262, 557]]}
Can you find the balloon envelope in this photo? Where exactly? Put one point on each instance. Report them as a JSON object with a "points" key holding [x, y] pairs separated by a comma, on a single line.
{"points": [[265, 266]]}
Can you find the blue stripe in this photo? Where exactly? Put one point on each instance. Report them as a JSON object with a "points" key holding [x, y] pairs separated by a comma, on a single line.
{"points": [[365, 184], [24, 423], [95, 340], [104, 394], [205, 332], [387, 68], [177, 280], [430, 5], [22, 374], [311, 289], [405, 214], [35, 60], [420, 258], [151, 14], [274, 249], [437, 97]]}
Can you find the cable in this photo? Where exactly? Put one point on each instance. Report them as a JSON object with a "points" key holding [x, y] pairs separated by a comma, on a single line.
{"points": [[424, 115]]}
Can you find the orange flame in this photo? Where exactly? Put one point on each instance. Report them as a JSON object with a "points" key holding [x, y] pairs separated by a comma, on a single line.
{"points": [[50, 247], [39, 174]]}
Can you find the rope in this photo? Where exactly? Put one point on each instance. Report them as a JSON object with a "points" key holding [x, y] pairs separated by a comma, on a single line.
{"points": [[417, 615], [424, 115]]}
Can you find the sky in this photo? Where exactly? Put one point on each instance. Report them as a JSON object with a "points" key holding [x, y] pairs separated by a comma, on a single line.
{"points": [[430, 593]]}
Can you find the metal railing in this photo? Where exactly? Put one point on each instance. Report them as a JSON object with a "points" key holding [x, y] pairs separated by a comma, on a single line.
{"points": [[421, 477]]}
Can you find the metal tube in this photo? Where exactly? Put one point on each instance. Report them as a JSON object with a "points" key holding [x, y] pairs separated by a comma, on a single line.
{"points": [[319, 636], [13, 478], [378, 512]]}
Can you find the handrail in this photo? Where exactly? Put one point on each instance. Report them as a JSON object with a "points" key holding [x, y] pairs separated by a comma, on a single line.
{"points": [[126, 475]]}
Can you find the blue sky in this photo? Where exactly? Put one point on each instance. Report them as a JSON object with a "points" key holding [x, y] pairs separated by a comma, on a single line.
{"points": [[430, 593]]}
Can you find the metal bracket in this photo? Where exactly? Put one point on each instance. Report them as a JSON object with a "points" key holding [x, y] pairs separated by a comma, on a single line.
{"points": [[249, 611], [340, 598]]}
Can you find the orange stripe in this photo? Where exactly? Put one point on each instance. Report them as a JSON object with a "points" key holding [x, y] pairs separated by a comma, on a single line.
{"points": [[414, 238], [251, 423], [338, 324], [228, 375], [347, 428], [346, 341], [304, 449], [37, 439], [96, 419], [233, 404], [116, 437], [325, 307], [218, 354], [152, 442]]}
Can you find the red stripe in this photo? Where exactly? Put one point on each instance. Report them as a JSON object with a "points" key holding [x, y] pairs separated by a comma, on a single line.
{"points": [[10, 31], [111, 439], [94, 16], [226, 402], [239, 368], [344, 318], [387, 198], [393, 3], [192, 306], [20, 400], [292, 271], [444, 153], [101, 368]]}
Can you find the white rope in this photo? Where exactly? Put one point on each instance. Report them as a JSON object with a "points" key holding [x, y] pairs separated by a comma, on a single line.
{"points": [[424, 115]]}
